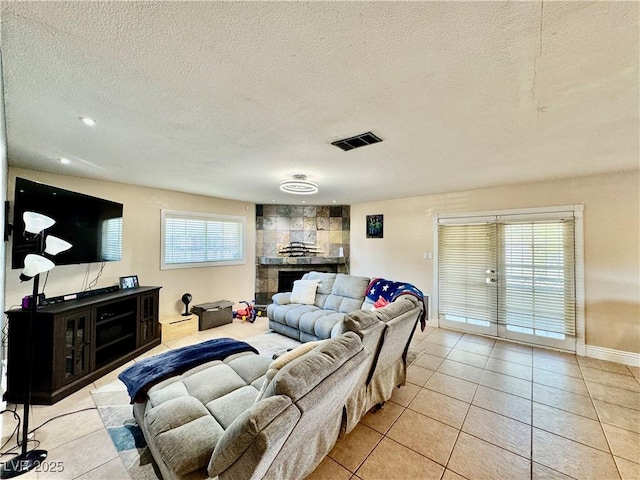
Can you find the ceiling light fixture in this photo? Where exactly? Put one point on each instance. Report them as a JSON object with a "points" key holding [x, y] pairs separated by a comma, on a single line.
{"points": [[89, 122], [299, 185]]}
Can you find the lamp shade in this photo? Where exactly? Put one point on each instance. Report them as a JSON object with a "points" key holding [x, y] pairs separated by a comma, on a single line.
{"points": [[55, 245], [33, 265], [36, 222]]}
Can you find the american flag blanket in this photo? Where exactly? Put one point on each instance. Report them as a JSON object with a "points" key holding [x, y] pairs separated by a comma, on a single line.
{"points": [[389, 291]]}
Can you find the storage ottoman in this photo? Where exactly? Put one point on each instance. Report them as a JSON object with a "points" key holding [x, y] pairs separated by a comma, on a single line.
{"points": [[213, 314]]}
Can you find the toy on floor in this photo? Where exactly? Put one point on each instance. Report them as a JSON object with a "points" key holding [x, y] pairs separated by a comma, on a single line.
{"points": [[249, 313]]}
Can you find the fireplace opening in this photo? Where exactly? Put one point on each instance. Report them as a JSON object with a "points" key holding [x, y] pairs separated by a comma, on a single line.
{"points": [[286, 279]]}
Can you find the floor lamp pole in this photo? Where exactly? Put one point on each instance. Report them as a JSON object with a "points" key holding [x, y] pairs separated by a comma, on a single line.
{"points": [[27, 460]]}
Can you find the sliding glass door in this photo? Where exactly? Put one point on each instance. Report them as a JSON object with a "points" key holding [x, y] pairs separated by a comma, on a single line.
{"points": [[511, 276]]}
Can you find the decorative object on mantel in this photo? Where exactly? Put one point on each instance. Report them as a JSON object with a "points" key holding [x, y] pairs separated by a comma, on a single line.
{"points": [[301, 249], [374, 226]]}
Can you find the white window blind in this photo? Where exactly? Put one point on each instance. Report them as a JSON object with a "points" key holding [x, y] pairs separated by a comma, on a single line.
{"points": [[537, 284], [199, 239], [465, 252]]}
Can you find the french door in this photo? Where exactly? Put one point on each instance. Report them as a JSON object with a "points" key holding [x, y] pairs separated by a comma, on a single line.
{"points": [[509, 275]]}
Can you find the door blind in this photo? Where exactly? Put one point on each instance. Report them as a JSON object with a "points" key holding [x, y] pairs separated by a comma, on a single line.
{"points": [[465, 254], [536, 275]]}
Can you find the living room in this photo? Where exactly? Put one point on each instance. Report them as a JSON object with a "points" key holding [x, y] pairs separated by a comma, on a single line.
{"points": [[597, 168]]}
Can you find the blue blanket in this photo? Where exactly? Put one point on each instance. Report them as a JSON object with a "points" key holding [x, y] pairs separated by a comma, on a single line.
{"points": [[389, 291], [140, 377]]}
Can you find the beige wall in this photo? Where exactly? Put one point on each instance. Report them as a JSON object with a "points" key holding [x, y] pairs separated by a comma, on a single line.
{"points": [[141, 246], [611, 243]]}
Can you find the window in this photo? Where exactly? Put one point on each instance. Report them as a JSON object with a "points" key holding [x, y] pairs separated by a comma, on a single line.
{"points": [[111, 239], [201, 240], [513, 274]]}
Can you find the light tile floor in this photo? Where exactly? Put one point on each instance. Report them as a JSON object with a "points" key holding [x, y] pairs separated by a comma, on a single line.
{"points": [[473, 408], [479, 408]]}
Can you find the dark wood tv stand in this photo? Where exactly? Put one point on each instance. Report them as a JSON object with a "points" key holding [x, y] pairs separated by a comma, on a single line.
{"points": [[78, 341]]}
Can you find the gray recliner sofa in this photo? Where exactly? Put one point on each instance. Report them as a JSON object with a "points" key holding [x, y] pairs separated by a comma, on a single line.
{"points": [[229, 419], [341, 305], [337, 294]]}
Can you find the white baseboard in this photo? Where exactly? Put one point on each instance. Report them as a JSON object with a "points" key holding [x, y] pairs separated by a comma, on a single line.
{"points": [[611, 355], [432, 323]]}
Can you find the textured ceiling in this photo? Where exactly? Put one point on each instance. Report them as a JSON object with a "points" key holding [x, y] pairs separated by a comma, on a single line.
{"points": [[229, 98]]}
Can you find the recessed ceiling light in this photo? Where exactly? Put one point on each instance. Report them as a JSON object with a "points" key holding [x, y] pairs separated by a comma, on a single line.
{"points": [[299, 185], [65, 161], [90, 122]]}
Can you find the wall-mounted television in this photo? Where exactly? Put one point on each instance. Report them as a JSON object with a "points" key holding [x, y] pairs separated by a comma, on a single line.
{"points": [[92, 225]]}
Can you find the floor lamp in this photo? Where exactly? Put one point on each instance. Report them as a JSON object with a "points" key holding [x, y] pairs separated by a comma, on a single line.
{"points": [[34, 265]]}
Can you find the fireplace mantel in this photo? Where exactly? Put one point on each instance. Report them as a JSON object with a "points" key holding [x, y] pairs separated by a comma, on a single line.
{"points": [[300, 260], [268, 269]]}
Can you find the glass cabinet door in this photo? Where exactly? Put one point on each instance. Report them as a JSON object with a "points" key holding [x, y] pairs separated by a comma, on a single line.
{"points": [[148, 327], [77, 345]]}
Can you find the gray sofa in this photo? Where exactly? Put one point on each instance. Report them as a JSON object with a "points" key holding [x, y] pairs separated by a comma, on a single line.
{"points": [[226, 419], [341, 305], [247, 417], [337, 294]]}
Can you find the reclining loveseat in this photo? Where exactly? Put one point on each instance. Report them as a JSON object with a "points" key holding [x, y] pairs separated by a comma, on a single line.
{"points": [[319, 312]]}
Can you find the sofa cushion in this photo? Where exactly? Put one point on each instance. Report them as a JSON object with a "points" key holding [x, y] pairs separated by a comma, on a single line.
{"points": [[226, 409], [185, 433], [293, 315], [287, 357], [201, 386], [304, 291], [324, 288], [256, 428], [282, 361], [320, 323], [292, 312], [347, 294]]}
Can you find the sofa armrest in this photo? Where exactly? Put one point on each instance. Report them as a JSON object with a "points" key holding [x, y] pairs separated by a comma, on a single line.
{"points": [[283, 298], [251, 442]]}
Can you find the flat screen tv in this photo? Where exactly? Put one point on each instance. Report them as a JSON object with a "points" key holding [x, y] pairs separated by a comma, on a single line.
{"points": [[92, 225]]}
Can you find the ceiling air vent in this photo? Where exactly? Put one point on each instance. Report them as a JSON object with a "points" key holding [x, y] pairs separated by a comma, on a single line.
{"points": [[361, 140]]}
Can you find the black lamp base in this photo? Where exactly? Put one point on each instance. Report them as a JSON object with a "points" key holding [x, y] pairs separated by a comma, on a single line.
{"points": [[22, 463]]}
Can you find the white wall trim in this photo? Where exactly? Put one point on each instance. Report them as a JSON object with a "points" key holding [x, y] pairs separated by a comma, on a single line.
{"points": [[611, 355], [432, 322]]}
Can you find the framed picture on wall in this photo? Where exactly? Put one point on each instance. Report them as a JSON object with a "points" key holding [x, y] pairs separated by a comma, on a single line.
{"points": [[375, 225]]}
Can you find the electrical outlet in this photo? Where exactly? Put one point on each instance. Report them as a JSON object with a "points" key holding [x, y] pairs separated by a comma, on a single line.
{"points": [[427, 255]]}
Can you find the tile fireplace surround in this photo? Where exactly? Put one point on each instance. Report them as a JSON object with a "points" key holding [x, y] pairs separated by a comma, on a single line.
{"points": [[327, 227]]}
